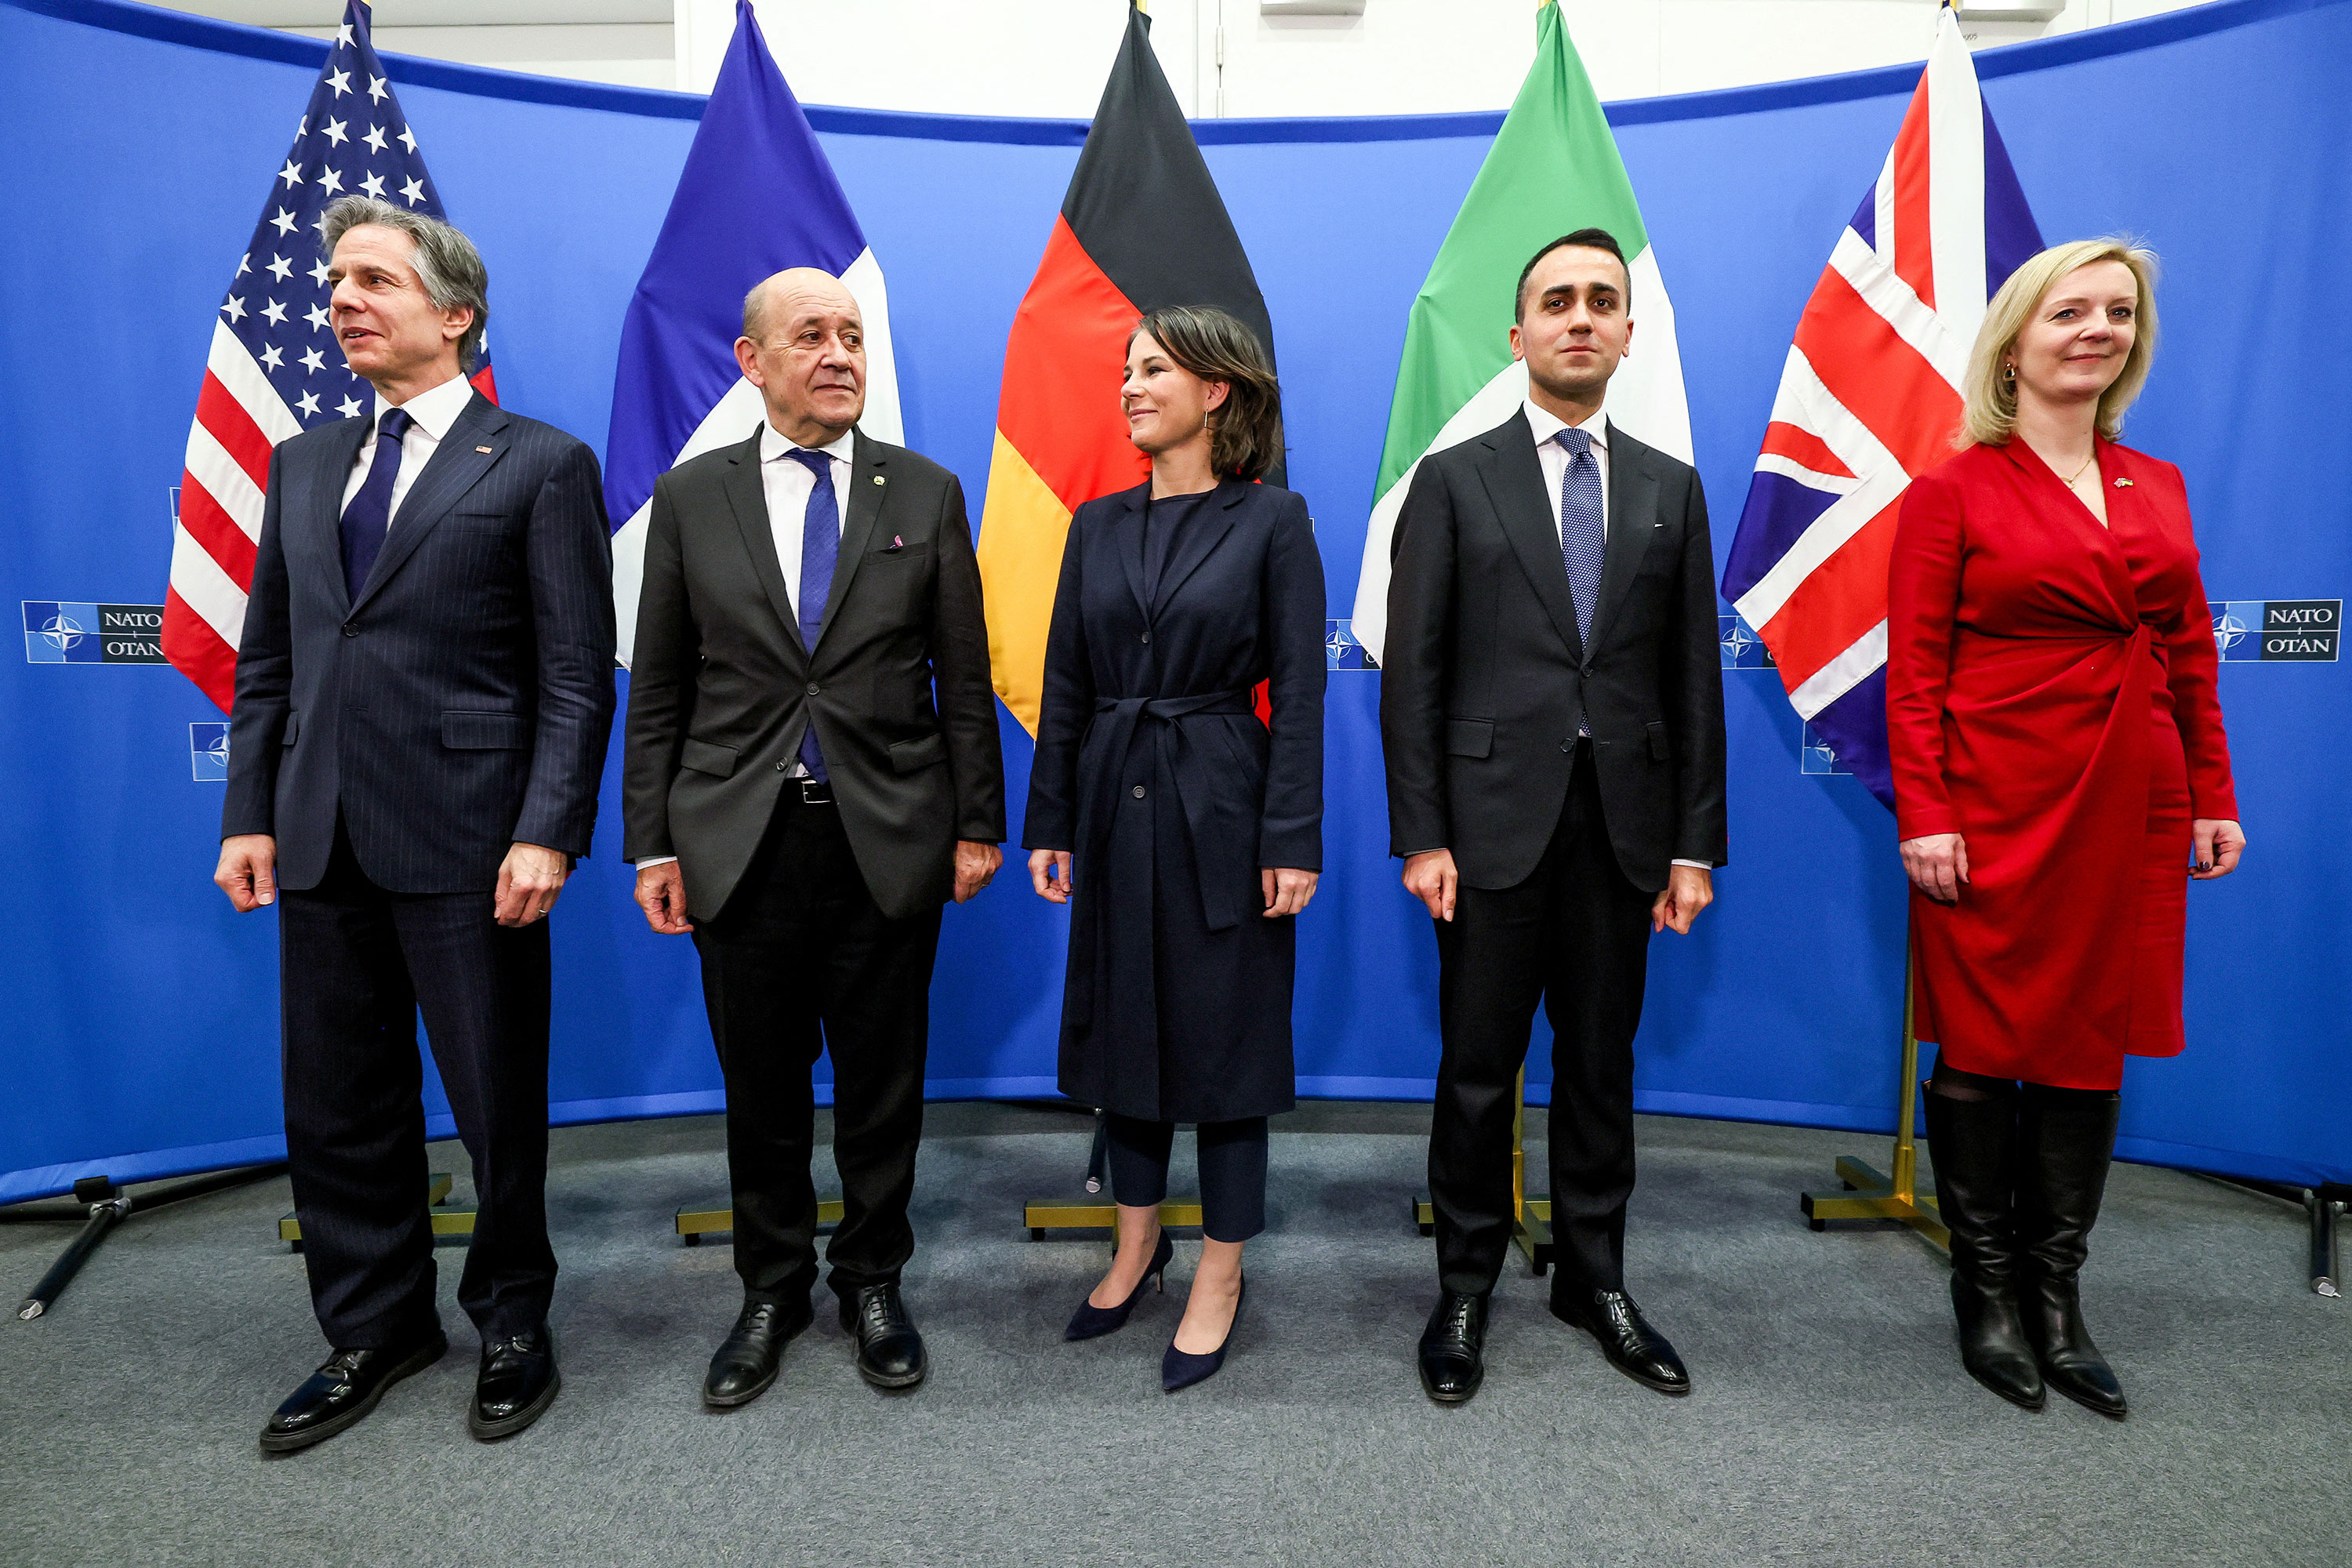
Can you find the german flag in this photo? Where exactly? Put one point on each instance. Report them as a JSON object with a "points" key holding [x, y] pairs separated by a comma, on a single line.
{"points": [[1141, 226]]}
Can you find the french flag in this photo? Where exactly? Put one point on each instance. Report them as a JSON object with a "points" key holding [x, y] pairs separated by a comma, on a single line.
{"points": [[1870, 398], [757, 195]]}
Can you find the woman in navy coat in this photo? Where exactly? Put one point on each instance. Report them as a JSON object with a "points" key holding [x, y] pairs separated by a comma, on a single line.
{"points": [[1184, 832]]}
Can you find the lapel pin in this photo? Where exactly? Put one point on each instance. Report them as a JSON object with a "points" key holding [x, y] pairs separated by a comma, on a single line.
{"points": [[483, 450], [2123, 484]]}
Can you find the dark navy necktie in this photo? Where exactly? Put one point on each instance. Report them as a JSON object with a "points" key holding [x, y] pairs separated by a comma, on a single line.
{"points": [[1583, 542], [820, 549], [369, 517]]}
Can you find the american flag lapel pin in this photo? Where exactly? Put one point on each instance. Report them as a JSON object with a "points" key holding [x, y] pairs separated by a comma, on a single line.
{"points": [[485, 451]]}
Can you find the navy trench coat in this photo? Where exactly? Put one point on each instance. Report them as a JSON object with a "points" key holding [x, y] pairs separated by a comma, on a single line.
{"points": [[1153, 770]]}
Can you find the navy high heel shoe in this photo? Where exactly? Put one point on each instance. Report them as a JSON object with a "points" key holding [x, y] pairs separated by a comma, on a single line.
{"points": [[1090, 1322], [1181, 1369]]}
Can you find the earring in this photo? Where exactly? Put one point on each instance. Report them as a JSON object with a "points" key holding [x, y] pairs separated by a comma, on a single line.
{"points": [[2009, 372]]}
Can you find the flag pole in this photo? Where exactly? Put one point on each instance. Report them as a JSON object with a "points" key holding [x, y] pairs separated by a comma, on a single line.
{"points": [[1865, 1194]]}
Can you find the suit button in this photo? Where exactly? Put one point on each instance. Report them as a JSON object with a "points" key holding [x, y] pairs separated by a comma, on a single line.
{"points": [[351, 631], [1138, 791], [782, 766], [1145, 637], [814, 688], [1568, 745]]}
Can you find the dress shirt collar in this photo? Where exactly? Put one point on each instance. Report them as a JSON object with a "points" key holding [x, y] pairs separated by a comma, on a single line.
{"points": [[1547, 425], [773, 445], [434, 411]]}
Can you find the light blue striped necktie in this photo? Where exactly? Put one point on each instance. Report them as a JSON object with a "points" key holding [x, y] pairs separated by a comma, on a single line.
{"points": [[1582, 538]]}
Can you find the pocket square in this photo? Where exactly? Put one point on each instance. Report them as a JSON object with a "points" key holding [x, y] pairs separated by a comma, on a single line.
{"points": [[896, 544]]}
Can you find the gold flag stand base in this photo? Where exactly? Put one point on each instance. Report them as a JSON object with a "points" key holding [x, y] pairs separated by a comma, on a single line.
{"points": [[1041, 1217], [446, 1221], [694, 1224], [1863, 1192], [1531, 1217]]}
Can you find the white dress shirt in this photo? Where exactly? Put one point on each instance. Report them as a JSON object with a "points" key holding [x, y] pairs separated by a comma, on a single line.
{"points": [[786, 484], [1553, 456], [430, 414]]}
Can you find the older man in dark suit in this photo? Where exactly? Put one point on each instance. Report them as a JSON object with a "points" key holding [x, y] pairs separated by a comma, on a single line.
{"points": [[423, 693], [812, 770], [1552, 712]]}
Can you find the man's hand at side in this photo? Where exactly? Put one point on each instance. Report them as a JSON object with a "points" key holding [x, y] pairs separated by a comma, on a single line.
{"points": [[661, 893], [1689, 889], [248, 871], [1430, 877], [529, 880], [974, 865]]}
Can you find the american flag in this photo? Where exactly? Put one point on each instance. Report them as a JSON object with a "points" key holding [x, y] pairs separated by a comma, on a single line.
{"points": [[1870, 398], [275, 369]]}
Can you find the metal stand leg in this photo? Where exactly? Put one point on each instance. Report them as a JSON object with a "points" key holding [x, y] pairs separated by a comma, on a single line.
{"points": [[694, 1224], [1531, 1217], [1041, 1217], [1865, 1194], [107, 1207], [446, 1221], [2326, 1207]]}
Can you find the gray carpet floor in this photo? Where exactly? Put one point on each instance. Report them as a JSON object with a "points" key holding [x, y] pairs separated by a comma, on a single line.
{"points": [[1830, 1423]]}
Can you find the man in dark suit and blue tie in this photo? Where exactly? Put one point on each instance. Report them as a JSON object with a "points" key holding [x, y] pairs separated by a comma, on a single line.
{"points": [[424, 694], [812, 771], [1551, 714]]}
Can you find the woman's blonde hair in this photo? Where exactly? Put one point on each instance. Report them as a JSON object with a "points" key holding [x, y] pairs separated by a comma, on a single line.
{"points": [[1991, 414]]}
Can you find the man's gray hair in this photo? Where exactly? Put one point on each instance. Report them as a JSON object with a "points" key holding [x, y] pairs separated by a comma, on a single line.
{"points": [[448, 265]]}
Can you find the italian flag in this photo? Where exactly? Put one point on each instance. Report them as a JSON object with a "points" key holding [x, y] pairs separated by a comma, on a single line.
{"points": [[1553, 169]]}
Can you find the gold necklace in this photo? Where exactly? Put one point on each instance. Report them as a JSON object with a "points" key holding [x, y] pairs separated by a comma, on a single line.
{"points": [[2077, 476]]}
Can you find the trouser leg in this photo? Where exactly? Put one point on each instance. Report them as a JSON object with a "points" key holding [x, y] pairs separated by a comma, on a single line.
{"points": [[1233, 1178], [1138, 1160], [484, 991], [354, 1123], [1599, 948], [876, 1001], [1490, 968], [762, 975]]}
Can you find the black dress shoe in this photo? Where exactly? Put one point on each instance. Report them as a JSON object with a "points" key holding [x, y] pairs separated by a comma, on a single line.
{"points": [[889, 1351], [1632, 1347], [345, 1387], [516, 1383], [1453, 1348], [748, 1357]]}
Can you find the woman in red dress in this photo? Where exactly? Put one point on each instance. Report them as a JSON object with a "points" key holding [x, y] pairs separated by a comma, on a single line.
{"points": [[2060, 776]]}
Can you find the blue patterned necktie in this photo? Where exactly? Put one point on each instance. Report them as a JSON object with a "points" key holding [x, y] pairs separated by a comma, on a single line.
{"points": [[820, 549], [1582, 540], [369, 517]]}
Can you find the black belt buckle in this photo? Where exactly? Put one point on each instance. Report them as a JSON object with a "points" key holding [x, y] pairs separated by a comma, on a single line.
{"points": [[816, 792]]}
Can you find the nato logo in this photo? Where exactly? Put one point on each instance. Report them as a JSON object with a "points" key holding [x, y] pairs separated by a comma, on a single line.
{"points": [[1818, 756], [208, 752], [1742, 648], [58, 631], [1342, 650], [2270, 631]]}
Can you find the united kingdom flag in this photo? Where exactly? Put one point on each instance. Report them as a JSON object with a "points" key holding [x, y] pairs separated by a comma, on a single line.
{"points": [[274, 369], [1870, 398]]}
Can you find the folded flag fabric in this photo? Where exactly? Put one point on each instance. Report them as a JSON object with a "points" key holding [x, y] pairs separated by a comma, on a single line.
{"points": [[757, 195], [1141, 226], [274, 369], [1553, 169], [1869, 399]]}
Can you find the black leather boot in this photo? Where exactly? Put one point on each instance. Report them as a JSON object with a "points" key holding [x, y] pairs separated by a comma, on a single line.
{"points": [[2067, 1139], [1974, 1143]]}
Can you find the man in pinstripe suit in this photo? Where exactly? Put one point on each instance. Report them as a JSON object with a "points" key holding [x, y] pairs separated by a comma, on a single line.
{"points": [[423, 692]]}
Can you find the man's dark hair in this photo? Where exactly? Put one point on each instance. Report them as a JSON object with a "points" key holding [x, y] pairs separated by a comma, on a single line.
{"points": [[1584, 239], [1245, 434]]}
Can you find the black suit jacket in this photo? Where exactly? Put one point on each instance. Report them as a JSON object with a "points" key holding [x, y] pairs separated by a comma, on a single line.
{"points": [[462, 702], [721, 688], [1483, 679]]}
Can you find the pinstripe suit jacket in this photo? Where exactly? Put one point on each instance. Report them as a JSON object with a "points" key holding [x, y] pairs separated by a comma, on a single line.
{"points": [[462, 702]]}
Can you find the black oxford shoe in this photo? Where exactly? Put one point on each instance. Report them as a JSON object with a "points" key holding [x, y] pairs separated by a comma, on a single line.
{"points": [[748, 1358], [345, 1387], [1632, 1347], [889, 1351], [516, 1383], [1453, 1348]]}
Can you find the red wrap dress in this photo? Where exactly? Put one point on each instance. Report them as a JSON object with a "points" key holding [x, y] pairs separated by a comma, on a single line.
{"points": [[2049, 696]]}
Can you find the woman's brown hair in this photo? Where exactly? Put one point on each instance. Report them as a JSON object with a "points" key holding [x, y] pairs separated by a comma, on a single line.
{"points": [[1245, 434]]}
